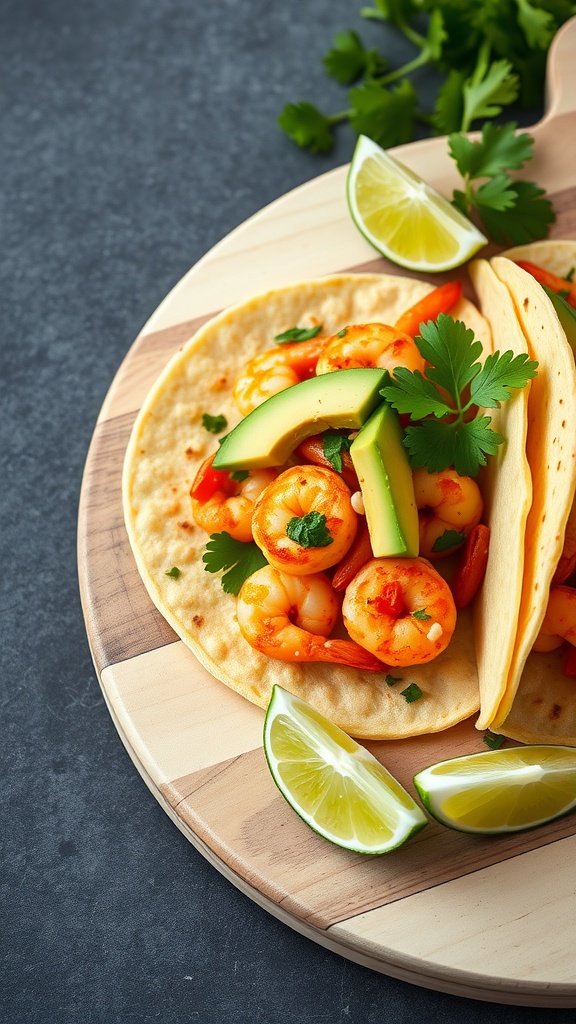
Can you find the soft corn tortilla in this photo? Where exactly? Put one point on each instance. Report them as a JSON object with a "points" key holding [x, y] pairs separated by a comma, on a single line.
{"points": [[539, 703], [507, 490], [167, 445]]}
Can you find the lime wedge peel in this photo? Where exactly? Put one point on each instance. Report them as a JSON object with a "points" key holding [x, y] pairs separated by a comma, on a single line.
{"points": [[501, 791], [333, 783], [405, 219]]}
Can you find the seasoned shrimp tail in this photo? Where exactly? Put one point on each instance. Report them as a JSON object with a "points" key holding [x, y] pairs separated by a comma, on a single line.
{"points": [[290, 618], [346, 652]]}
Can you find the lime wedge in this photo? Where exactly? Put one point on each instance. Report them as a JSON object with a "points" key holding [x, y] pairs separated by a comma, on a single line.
{"points": [[403, 217], [334, 784], [501, 790]]}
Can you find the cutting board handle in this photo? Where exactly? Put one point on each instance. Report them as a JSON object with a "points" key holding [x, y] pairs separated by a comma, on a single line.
{"points": [[561, 73]]}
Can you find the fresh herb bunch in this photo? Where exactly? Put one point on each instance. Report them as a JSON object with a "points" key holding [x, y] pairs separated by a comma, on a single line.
{"points": [[454, 387], [491, 53]]}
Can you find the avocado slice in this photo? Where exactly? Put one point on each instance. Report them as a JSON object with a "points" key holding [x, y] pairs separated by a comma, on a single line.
{"points": [[267, 436], [381, 462], [566, 315]]}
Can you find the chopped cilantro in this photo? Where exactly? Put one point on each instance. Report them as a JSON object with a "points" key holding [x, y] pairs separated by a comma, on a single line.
{"points": [[310, 531], [214, 424], [174, 572], [454, 382], [240, 559], [493, 741], [333, 445], [392, 680], [570, 275], [448, 540], [297, 334], [412, 693], [344, 331], [421, 614]]}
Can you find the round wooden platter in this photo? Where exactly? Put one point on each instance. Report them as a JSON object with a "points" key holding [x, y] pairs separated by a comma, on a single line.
{"points": [[489, 919]]}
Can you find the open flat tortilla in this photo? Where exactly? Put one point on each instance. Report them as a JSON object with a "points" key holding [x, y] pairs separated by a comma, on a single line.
{"points": [[167, 445], [539, 703]]}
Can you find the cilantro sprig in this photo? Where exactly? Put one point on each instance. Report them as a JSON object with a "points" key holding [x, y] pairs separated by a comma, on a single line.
{"points": [[512, 212], [310, 530], [454, 384], [240, 560], [488, 55]]}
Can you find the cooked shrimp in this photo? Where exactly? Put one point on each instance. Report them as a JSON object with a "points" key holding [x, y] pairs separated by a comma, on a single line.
{"points": [[400, 609], [311, 501], [369, 345], [445, 501], [290, 618], [559, 622], [275, 370], [221, 503]]}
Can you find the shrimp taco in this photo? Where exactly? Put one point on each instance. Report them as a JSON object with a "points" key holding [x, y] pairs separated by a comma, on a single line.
{"points": [[290, 533], [535, 702]]}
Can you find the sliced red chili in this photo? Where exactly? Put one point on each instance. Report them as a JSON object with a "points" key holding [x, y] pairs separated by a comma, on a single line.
{"points": [[429, 308], [471, 567], [209, 480], [390, 601]]}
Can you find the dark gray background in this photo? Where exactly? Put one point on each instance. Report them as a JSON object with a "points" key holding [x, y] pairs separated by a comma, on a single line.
{"points": [[134, 135]]}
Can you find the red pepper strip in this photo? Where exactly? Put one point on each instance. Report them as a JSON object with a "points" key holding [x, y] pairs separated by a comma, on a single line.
{"points": [[439, 301], [356, 556], [390, 601], [567, 289], [569, 664], [471, 567], [208, 481]]}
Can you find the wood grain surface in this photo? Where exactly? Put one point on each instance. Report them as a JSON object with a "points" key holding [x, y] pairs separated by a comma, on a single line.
{"points": [[486, 918]]}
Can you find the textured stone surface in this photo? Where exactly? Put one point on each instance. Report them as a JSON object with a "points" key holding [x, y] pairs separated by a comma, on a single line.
{"points": [[135, 135]]}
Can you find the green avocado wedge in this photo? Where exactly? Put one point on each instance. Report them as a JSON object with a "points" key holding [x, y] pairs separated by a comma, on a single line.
{"points": [[268, 435], [381, 462]]}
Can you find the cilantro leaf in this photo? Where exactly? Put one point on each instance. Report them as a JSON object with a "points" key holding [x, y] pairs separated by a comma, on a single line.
{"points": [[499, 148], [410, 392], [214, 424], [240, 559], [297, 334], [526, 221], [412, 693], [501, 374], [333, 445], [448, 540], [392, 680], [307, 126], [537, 25], [438, 445], [443, 436], [449, 105], [175, 573], [452, 350], [493, 740], [497, 193], [385, 115], [309, 531], [490, 88], [421, 614], [349, 59]]}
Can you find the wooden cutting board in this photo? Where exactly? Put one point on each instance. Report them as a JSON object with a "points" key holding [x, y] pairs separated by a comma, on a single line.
{"points": [[487, 918]]}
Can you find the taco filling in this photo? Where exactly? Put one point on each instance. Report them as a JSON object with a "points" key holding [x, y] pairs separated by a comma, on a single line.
{"points": [[357, 507]]}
